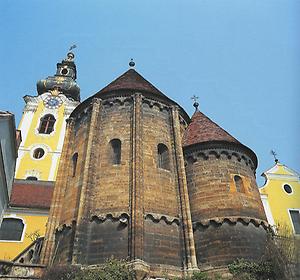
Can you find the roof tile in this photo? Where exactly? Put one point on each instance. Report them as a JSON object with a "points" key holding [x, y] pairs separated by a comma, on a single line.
{"points": [[203, 129], [31, 194], [131, 80]]}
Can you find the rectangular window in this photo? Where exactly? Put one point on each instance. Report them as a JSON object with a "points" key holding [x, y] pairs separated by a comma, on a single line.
{"points": [[295, 216]]}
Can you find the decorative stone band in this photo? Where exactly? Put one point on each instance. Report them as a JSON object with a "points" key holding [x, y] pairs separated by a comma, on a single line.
{"points": [[122, 217], [123, 96], [156, 218], [219, 149], [231, 220]]}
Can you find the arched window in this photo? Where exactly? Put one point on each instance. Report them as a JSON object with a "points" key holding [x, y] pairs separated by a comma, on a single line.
{"points": [[11, 229], [31, 178], [239, 184], [74, 162], [115, 148], [163, 160], [47, 124]]}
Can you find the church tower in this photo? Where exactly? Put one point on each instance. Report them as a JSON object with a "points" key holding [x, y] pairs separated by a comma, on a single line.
{"points": [[44, 121]]}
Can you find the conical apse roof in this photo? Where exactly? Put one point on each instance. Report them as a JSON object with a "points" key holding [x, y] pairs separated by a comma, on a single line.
{"points": [[203, 129], [131, 80]]}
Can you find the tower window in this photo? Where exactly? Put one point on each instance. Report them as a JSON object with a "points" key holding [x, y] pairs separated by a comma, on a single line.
{"points": [[287, 188], [239, 184], [11, 229], [31, 178], [163, 160], [38, 153], [47, 124], [295, 216], [74, 161], [115, 146], [64, 71]]}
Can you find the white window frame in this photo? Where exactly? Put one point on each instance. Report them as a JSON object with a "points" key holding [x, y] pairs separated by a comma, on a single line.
{"points": [[289, 213], [23, 233]]}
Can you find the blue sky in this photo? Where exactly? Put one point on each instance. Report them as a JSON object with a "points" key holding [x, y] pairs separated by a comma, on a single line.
{"points": [[242, 58]]}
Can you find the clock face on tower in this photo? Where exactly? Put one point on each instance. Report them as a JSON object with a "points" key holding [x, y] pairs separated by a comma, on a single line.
{"points": [[52, 102]]}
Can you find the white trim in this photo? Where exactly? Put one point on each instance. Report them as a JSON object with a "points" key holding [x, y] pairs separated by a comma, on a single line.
{"points": [[14, 216], [55, 160], [25, 125], [267, 208], [21, 153], [293, 209]]}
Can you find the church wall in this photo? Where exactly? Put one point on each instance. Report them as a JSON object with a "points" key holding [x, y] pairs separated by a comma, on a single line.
{"points": [[221, 244], [212, 189], [228, 218], [162, 238], [159, 184]]}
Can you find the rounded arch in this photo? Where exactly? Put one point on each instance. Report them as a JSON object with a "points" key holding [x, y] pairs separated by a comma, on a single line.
{"points": [[163, 157], [115, 147], [239, 184]]}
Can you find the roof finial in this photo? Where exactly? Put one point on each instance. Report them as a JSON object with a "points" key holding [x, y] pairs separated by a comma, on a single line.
{"points": [[196, 104], [131, 63], [70, 54], [273, 153]]}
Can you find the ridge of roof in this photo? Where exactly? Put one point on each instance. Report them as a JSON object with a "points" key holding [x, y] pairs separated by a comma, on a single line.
{"points": [[203, 129]]}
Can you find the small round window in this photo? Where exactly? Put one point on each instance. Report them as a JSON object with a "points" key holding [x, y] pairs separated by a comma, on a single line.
{"points": [[64, 71], [288, 189], [38, 153]]}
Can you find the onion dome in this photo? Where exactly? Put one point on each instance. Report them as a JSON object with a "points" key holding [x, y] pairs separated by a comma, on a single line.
{"points": [[202, 131], [64, 81]]}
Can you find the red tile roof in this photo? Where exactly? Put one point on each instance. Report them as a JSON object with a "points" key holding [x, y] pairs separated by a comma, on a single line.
{"points": [[131, 80], [31, 194], [203, 129]]}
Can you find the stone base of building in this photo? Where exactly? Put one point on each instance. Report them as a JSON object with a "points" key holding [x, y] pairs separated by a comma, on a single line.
{"points": [[12, 270]]}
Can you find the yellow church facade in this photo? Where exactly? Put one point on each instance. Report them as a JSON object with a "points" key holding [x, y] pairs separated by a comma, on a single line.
{"points": [[43, 127], [281, 199]]}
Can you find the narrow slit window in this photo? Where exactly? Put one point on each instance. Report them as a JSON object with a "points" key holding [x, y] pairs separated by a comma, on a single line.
{"points": [[47, 124], [163, 160], [115, 148], [74, 162], [239, 184]]}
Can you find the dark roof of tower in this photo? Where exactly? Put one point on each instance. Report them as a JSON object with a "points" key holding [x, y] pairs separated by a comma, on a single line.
{"points": [[203, 129], [131, 80]]}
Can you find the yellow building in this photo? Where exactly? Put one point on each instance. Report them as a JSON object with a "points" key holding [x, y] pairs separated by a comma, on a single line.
{"points": [[281, 198], [43, 127]]}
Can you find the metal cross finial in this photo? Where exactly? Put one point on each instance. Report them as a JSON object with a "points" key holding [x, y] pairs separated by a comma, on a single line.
{"points": [[273, 153], [72, 47], [196, 104]]}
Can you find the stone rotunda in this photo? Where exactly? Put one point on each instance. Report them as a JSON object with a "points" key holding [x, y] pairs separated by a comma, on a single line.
{"points": [[138, 179]]}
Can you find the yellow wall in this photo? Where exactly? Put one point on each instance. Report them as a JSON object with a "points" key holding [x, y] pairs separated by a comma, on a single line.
{"points": [[42, 165], [279, 201], [33, 222]]}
